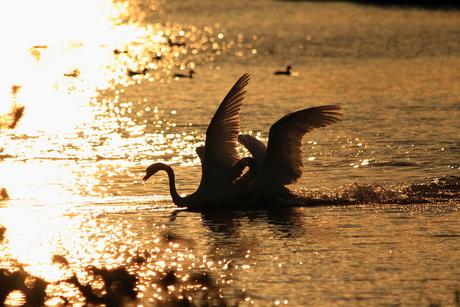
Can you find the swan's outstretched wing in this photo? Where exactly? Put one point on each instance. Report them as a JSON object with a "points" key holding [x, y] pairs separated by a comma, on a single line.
{"points": [[283, 162], [221, 137]]}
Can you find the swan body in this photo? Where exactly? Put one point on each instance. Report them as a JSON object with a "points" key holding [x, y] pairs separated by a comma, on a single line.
{"points": [[238, 176], [287, 72], [220, 154], [280, 163]]}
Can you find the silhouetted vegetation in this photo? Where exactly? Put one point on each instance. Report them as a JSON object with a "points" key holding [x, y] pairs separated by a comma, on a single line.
{"points": [[119, 289], [432, 4], [33, 288], [429, 4]]}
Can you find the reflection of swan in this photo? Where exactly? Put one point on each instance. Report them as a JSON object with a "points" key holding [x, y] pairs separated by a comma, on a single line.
{"points": [[220, 154], [132, 73], [287, 72], [190, 75], [280, 163]]}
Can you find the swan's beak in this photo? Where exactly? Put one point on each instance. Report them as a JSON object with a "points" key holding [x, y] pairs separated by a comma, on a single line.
{"points": [[147, 176]]}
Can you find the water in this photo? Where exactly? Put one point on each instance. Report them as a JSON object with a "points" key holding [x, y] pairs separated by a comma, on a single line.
{"points": [[73, 164]]}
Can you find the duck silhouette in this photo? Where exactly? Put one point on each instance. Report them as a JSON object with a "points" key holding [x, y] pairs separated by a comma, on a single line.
{"points": [[117, 52], [190, 75], [132, 73], [284, 72]]}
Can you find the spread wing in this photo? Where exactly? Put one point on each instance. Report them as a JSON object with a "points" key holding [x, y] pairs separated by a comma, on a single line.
{"points": [[221, 137], [283, 162]]}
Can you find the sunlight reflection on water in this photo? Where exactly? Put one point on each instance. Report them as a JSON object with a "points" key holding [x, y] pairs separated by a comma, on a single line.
{"points": [[74, 164], [314, 246]]}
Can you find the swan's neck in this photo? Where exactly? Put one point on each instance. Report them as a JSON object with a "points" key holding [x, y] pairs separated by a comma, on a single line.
{"points": [[177, 199]]}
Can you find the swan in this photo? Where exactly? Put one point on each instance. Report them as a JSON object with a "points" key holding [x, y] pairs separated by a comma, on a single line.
{"points": [[190, 75], [287, 72], [280, 162], [220, 154]]}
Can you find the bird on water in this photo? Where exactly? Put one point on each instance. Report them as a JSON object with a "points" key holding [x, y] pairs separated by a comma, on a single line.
{"points": [[220, 154], [271, 167], [133, 73], [190, 75], [284, 72]]}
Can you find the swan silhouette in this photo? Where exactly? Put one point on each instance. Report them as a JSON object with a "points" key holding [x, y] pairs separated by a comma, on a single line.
{"points": [[286, 72], [280, 163], [190, 75], [220, 164]]}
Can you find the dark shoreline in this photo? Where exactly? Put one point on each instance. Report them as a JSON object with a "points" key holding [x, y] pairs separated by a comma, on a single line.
{"points": [[428, 4]]}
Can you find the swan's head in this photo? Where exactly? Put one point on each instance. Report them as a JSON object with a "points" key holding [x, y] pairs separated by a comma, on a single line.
{"points": [[153, 169]]}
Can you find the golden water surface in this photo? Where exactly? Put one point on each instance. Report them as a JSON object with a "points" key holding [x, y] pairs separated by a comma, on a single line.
{"points": [[77, 131]]}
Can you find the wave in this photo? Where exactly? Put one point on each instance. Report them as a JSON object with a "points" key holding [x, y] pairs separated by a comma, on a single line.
{"points": [[442, 192], [438, 190]]}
